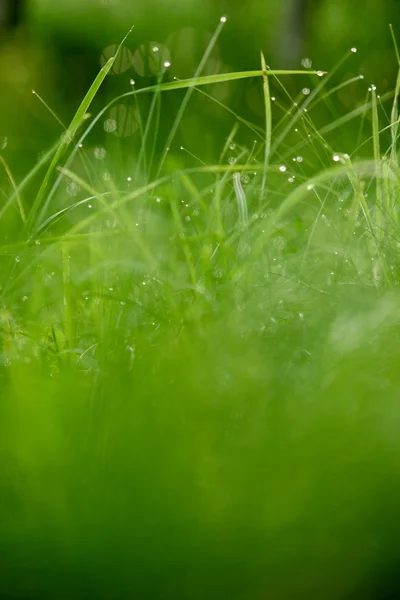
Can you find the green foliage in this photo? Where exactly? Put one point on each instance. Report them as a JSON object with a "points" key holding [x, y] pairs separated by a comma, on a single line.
{"points": [[199, 379]]}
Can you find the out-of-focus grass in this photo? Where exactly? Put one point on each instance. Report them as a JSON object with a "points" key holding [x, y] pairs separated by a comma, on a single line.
{"points": [[199, 371]]}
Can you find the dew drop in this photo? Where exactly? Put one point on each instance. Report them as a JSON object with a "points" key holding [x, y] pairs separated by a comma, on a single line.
{"points": [[223, 20], [155, 48], [132, 82], [167, 64], [336, 158], [306, 91], [282, 168], [354, 50]]}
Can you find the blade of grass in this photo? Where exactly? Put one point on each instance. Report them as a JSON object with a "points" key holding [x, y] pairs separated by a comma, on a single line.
{"points": [[378, 162], [394, 117], [16, 192], [268, 122], [188, 95], [68, 137]]}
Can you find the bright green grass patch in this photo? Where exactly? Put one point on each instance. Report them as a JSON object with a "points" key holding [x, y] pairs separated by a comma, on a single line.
{"points": [[199, 373]]}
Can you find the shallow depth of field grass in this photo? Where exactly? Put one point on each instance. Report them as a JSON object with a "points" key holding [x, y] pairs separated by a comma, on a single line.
{"points": [[199, 368]]}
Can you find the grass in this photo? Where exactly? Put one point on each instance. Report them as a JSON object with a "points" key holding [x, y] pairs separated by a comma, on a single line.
{"points": [[199, 373]]}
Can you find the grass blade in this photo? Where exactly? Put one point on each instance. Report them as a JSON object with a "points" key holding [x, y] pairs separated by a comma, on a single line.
{"points": [[16, 193], [66, 141], [76, 123], [268, 121]]}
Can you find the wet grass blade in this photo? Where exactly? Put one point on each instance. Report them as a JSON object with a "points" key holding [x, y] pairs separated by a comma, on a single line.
{"points": [[268, 121], [16, 192], [378, 164], [67, 139]]}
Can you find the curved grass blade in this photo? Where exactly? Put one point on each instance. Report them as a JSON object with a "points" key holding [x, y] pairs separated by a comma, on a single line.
{"points": [[66, 141], [268, 121], [16, 193], [76, 123]]}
